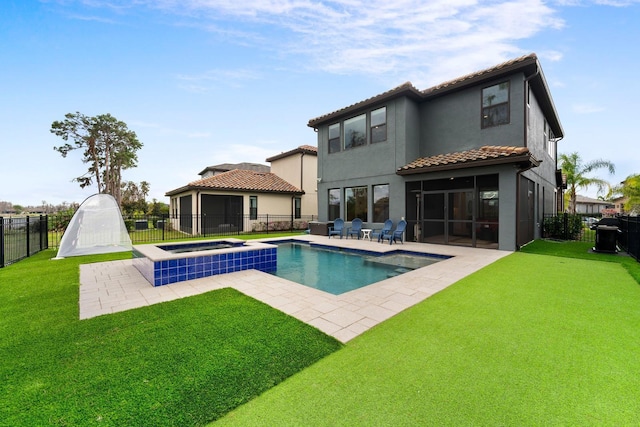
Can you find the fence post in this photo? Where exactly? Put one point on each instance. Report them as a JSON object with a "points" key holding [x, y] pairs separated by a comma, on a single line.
{"points": [[41, 233], [164, 223], [1, 242], [28, 238]]}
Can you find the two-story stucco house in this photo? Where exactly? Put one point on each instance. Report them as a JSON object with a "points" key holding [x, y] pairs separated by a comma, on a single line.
{"points": [[468, 162], [236, 196]]}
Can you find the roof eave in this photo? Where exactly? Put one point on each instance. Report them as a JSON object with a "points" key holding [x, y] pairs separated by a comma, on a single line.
{"points": [[524, 162], [405, 90], [190, 188]]}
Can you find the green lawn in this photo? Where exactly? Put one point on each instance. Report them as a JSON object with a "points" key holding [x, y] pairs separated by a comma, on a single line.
{"points": [[185, 362], [547, 336]]}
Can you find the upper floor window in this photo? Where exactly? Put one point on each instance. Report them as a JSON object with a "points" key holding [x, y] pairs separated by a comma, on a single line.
{"points": [[334, 138], [379, 125], [551, 145], [253, 207], [355, 131], [495, 105]]}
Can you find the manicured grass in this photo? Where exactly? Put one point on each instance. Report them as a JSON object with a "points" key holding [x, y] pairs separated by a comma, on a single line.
{"points": [[529, 340], [185, 362]]}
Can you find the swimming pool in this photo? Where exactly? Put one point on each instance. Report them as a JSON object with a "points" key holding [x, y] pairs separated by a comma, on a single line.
{"points": [[338, 271]]}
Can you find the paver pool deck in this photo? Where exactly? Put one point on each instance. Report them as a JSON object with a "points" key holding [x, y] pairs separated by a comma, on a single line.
{"points": [[110, 287]]}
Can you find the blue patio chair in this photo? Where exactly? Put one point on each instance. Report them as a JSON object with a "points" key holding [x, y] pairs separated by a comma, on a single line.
{"points": [[338, 226], [386, 228], [398, 233], [355, 229]]}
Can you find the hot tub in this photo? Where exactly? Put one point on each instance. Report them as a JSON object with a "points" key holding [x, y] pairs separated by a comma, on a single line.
{"points": [[176, 262]]}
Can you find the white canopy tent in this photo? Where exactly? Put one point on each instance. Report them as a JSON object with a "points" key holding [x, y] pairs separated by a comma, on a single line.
{"points": [[97, 227]]}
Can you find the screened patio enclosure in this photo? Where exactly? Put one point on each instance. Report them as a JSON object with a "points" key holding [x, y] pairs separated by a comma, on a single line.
{"points": [[456, 211]]}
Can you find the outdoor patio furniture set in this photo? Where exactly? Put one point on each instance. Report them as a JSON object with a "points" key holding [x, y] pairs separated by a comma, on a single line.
{"points": [[387, 232]]}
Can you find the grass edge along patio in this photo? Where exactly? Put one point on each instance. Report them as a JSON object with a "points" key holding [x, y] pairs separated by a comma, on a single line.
{"points": [[502, 346]]}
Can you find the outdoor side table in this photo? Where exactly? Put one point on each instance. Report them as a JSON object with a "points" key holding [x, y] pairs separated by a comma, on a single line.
{"points": [[366, 233]]}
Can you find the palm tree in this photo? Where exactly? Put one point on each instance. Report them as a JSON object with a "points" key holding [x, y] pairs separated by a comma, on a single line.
{"points": [[630, 190], [576, 173]]}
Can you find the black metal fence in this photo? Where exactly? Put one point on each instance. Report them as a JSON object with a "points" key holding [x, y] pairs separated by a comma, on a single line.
{"points": [[568, 227], [629, 239], [21, 237], [578, 228], [154, 228]]}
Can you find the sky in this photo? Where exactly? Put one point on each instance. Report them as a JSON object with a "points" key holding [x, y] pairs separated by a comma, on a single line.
{"points": [[204, 82]]}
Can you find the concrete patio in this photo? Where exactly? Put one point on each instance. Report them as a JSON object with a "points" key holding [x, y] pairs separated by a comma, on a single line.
{"points": [[110, 287]]}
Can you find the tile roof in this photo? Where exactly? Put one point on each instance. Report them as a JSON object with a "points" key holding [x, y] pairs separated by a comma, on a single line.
{"points": [[241, 180], [527, 64], [529, 59], [223, 167], [304, 149], [488, 154], [406, 88]]}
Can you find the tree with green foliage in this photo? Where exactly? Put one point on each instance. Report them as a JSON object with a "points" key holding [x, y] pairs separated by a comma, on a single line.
{"points": [[577, 173], [629, 189], [157, 208], [134, 197], [109, 147]]}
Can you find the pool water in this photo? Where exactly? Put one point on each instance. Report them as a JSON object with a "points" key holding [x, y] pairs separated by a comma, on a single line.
{"points": [[337, 272]]}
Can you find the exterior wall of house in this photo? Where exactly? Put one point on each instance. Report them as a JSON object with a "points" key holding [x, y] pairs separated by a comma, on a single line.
{"points": [[272, 204], [371, 164], [543, 148], [301, 170], [445, 124], [453, 122]]}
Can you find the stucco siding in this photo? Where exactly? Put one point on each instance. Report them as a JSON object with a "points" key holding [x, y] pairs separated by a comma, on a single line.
{"points": [[454, 122]]}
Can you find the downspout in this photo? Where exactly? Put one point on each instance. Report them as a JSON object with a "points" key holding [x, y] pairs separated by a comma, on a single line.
{"points": [[526, 137], [302, 171]]}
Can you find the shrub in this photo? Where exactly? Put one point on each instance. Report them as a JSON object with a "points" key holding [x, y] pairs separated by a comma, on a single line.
{"points": [[566, 227]]}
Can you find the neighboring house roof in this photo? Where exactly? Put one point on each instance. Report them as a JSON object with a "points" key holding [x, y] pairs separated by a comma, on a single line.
{"points": [[303, 149], [527, 64], [483, 156], [225, 167], [241, 180], [589, 201]]}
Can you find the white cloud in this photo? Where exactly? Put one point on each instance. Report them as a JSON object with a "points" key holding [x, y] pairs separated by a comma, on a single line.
{"points": [[587, 108], [208, 80], [368, 37], [432, 41]]}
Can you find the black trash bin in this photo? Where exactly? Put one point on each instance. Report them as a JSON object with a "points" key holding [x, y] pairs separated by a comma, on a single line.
{"points": [[606, 238]]}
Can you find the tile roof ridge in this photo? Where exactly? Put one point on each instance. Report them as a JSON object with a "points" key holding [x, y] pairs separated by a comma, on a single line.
{"points": [[475, 74]]}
